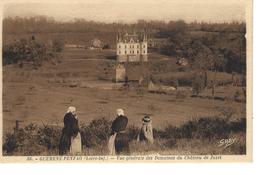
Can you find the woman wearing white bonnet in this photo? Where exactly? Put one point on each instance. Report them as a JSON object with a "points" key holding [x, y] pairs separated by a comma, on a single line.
{"points": [[119, 142], [120, 112], [72, 109], [70, 138]]}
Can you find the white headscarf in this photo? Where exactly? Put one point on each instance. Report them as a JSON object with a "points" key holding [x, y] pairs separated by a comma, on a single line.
{"points": [[120, 112], [71, 109]]}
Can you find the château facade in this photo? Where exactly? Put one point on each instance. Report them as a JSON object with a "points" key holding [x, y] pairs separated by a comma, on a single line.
{"points": [[131, 48]]}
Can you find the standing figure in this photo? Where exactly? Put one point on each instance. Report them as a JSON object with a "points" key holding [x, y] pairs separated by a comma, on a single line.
{"points": [[119, 142], [146, 132], [70, 140]]}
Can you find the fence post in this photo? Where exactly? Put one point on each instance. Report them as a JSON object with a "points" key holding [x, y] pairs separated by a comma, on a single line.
{"points": [[16, 128]]}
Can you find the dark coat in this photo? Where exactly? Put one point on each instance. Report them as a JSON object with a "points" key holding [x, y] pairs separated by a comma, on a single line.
{"points": [[119, 124], [70, 129], [121, 140]]}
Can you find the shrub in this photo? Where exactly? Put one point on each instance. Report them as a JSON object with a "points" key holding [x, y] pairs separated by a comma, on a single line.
{"points": [[158, 133], [171, 132], [49, 137], [10, 143], [239, 125], [23, 142], [211, 128], [24, 51], [203, 128], [58, 44], [133, 132], [36, 140], [97, 132], [198, 84]]}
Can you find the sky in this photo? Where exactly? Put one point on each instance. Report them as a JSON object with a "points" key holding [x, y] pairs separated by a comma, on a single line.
{"points": [[131, 11]]}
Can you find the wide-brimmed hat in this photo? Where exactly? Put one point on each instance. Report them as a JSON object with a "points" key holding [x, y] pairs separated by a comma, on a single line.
{"points": [[146, 118]]}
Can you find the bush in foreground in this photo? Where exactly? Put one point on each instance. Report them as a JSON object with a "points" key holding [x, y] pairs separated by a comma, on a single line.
{"points": [[193, 137]]}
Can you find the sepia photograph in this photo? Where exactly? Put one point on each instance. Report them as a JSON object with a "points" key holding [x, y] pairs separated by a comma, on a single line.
{"points": [[127, 80]]}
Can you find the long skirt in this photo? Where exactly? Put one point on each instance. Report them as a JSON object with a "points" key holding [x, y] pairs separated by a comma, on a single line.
{"points": [[122, 144], [111, 145], [76, 145], [65, 142]]}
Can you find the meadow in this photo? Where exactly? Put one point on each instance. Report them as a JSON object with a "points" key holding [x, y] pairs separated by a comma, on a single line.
{"points": [[183, 124]]}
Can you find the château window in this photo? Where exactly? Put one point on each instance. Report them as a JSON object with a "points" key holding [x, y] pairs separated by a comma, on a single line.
{"points": [[119, 52], [137, 51], [125, 46], [119, 46], [125, 52]]}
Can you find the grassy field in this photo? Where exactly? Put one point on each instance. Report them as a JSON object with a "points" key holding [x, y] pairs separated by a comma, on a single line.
{"points": [[83, 78]]}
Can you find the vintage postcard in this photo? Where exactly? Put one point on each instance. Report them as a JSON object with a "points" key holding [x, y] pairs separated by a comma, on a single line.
{"points": [[126, 81]]}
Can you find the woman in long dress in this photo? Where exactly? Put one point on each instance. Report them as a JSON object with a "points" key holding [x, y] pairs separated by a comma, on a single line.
{"points": [[146, 132], [119, 142], [70, 140]]}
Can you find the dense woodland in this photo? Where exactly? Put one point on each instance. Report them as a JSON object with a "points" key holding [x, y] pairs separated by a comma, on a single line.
{"points": [[208, 46]]}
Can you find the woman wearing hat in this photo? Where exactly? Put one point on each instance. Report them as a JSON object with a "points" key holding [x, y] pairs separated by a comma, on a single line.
{"points": [[70, 140], [146, 132], [119, 142]]}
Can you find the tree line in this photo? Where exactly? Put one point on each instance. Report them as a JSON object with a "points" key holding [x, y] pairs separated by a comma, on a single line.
{"points": [[39, 24]]}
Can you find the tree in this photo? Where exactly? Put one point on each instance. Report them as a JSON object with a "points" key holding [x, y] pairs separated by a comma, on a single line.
{"points": [[197, 83], [58, 44], [30, 51], [208, 58]]}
